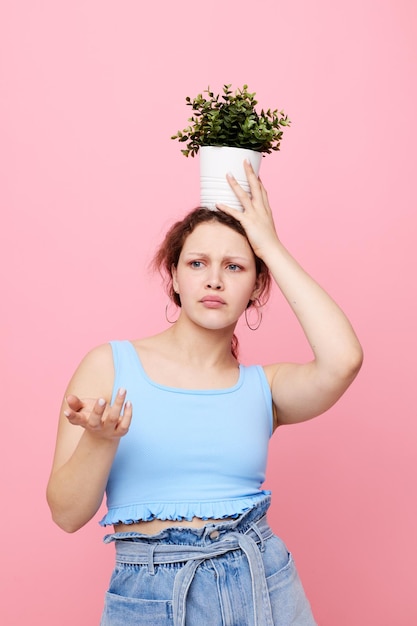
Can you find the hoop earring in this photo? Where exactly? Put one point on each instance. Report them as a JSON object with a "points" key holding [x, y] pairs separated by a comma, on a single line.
{"points": [[166, 314], [259, 319]]}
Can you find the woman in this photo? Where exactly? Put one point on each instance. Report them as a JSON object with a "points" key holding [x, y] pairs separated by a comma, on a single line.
{"points": [[176, 431]]}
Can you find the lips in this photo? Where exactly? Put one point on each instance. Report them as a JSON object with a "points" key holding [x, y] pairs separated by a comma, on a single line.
{"points": [[212, 301]]}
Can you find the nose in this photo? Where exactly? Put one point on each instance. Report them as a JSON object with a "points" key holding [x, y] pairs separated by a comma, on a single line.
{"points": [[214, 281], [214, 277], [214, 285]]}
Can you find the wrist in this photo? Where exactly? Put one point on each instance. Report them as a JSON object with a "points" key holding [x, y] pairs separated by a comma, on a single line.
{"points": [[99, 440]]}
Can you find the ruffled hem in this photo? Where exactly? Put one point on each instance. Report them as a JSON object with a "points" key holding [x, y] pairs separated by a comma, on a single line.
{"points": [[179, 511]]}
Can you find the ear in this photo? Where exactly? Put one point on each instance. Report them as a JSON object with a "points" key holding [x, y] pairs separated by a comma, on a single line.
{"points": [[174, 278], [256, 291]]}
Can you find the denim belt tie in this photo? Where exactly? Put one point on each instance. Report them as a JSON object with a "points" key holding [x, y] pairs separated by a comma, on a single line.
{"points": [[145, 553]]}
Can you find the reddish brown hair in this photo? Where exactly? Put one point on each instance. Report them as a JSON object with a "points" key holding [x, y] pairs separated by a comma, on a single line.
{"points": [[168, 253]]}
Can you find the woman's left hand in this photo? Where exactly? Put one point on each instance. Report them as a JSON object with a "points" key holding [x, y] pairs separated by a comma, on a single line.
{"points": [[256, 217]]}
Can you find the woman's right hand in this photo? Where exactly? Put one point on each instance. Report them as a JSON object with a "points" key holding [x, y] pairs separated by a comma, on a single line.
{"points": [[98, 418], [89, 433]]}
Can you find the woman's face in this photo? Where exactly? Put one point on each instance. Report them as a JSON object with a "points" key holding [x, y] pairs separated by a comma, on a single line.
{"points": [[216, 275]]}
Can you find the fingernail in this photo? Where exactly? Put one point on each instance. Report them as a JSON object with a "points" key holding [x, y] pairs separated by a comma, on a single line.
{"points": [[122, 391], [128, 404], [230, 175], [67, 413], [101, 401]]}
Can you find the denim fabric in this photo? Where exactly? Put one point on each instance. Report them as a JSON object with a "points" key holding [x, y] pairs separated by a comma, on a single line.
{"points": [[236, 573]]}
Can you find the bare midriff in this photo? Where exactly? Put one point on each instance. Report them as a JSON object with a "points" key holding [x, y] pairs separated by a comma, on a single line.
{"points": [[156, 525]]}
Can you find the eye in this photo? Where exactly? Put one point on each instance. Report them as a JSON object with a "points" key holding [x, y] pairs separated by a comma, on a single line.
{"points": [[196, 264], [233, 267]]}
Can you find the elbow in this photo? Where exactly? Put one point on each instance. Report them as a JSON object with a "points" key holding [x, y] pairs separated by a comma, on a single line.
{"points": [[69, 526], [62, 518], [351, 363], [66, 523], [356, 360]]}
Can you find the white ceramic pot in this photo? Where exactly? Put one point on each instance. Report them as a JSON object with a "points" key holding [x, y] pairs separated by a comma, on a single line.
{"points": [[215, 163]]}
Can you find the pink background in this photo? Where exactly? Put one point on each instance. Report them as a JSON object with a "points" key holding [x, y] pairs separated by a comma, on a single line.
{"points": [[89, 180]]}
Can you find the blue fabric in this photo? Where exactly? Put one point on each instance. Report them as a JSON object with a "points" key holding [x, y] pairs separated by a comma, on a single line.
{"points": [[236, 572], [188, 453]]}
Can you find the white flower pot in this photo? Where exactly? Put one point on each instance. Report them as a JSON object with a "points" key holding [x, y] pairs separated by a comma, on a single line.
{"points": [[215, 163]]}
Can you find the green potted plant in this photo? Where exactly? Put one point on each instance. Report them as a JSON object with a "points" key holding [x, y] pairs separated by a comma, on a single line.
{"points": [[225, 129]]}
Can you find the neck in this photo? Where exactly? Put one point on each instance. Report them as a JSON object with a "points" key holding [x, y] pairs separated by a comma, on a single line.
{"points": [[201, 345]]}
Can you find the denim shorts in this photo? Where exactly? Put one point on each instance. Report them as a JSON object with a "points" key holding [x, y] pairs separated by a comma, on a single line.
{"points": [[234, 573]]}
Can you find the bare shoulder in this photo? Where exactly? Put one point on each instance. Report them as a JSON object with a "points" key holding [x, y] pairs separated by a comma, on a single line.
{"points": [[154, 347], [153, 342], [92, 379], [94, 375]]}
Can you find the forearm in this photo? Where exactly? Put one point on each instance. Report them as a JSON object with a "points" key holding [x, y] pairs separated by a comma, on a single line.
{"points": [[75, 490]]}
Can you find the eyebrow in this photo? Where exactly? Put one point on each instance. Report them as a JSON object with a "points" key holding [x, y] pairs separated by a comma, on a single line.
{"points": [[228, 257]]}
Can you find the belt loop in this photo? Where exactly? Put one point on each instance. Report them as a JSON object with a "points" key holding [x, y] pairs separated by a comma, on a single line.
{"points": [[257, 532], [151, 564]]}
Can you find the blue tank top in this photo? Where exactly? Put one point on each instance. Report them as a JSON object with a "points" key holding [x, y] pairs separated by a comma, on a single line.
{"points": [[188, 453]]}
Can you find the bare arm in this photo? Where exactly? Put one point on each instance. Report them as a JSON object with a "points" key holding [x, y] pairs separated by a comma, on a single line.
{"points": [[300, 391], [89, 432]]}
